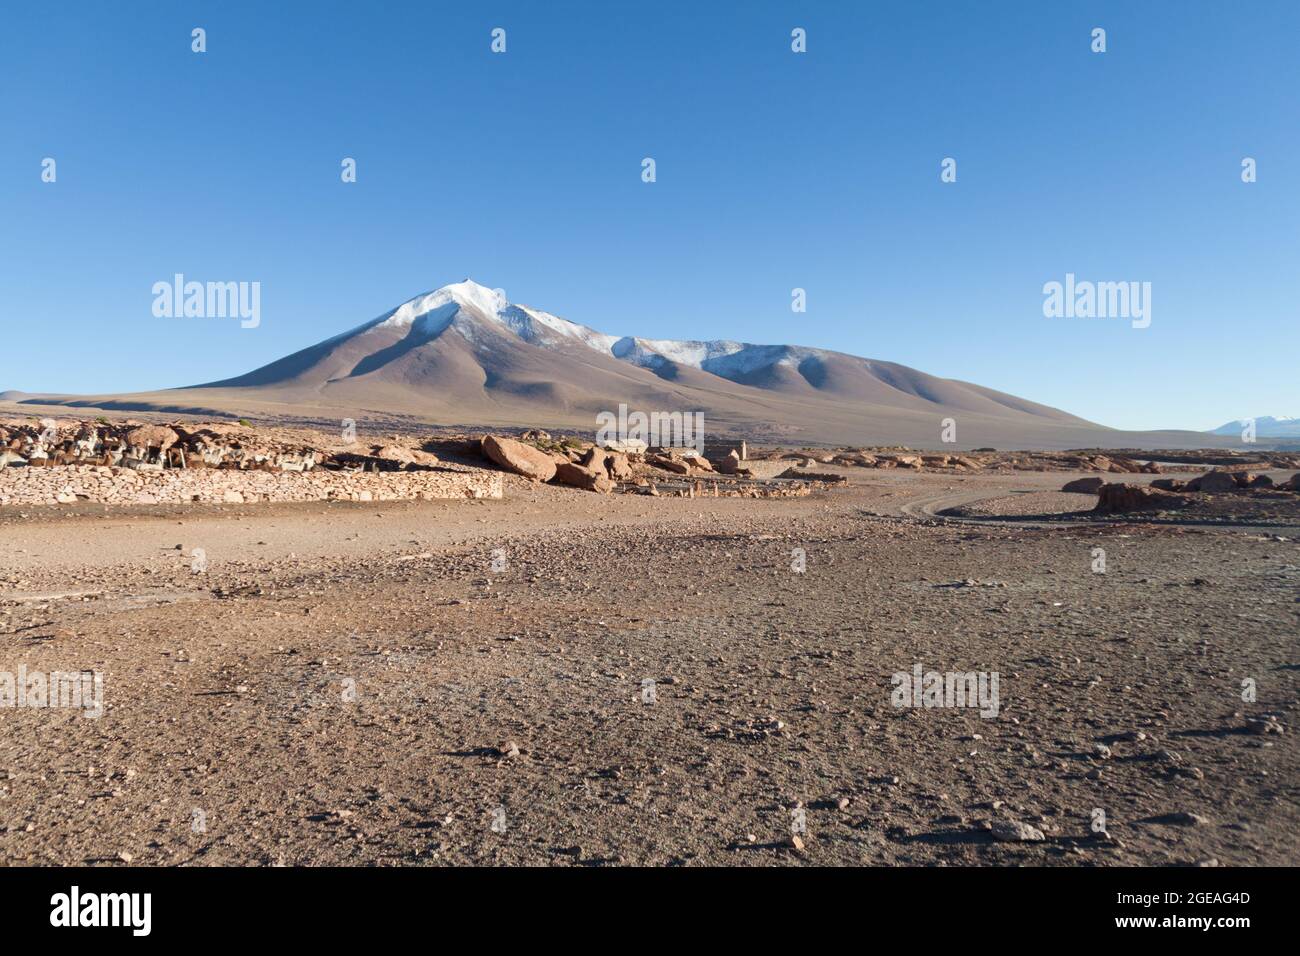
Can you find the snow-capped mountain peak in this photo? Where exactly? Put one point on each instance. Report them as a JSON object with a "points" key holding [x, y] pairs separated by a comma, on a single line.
{"points": [[433, 312], [487, 302]]}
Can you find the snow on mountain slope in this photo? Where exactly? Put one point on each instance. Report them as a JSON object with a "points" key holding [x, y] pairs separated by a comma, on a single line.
{"points": [[1266, 426]]}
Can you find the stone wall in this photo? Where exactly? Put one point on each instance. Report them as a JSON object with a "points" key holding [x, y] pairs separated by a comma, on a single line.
{"points": [[72, 483]]}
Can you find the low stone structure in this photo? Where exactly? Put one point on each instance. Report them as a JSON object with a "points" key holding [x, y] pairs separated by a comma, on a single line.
{"points": [[97, 483]]}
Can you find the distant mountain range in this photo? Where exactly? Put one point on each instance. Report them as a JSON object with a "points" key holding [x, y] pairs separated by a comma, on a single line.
{"points": [[463, 355], [1266, 426]]}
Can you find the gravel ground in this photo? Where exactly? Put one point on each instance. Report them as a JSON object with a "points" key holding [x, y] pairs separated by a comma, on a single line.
{"points": [[464, 683]]}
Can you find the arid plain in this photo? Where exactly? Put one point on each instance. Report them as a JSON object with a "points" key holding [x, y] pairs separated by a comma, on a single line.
{"points": [[563, 677]]}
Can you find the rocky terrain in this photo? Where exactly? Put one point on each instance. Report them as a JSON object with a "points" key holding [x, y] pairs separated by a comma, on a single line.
{"points": [[570, 678]]}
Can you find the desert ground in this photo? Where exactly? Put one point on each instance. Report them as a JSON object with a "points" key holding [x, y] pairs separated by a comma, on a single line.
{"points": [[462, 681]]}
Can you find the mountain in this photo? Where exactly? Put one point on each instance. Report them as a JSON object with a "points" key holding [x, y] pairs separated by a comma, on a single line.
{"points": [[1266, 426], [463, 355]]}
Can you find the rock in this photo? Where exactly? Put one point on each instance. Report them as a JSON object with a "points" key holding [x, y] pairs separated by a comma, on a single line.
{"points": [[1084, 486], [1213, 481], [1013, 831], [618, 466], [795, 842], [580, 476], [595, 458], [1168, 484], [677, 465], [1182, 818], [520, 458], [1263, 725], [1121, 497], [400, 455]]}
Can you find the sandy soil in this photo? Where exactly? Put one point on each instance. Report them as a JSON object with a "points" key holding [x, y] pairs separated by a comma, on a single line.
{"points": [[349, 683]]}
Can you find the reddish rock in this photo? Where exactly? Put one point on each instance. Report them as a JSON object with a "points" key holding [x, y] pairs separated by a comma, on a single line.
{"points": [[595, 458], [1085, 486], [618, 466], [1126, 465], [1213, 481], [399, 455], [580, 476], [1121, 497], [1168, 484], [669, 464], [520, 458]]}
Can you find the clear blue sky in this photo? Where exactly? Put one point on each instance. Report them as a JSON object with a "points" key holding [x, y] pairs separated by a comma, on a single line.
{"points": [[775, 170]]}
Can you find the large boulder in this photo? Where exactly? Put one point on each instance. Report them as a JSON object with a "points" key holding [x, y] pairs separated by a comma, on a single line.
{"points": [[595, 457], [1213, 481], [520, 458], [1084, 486], [618, 466], [1120, 497], [580, 476], [612, 463], [1168, 484]]}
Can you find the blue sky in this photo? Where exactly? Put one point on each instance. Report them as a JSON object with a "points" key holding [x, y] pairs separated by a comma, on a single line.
{"points": [[775, 170]]}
